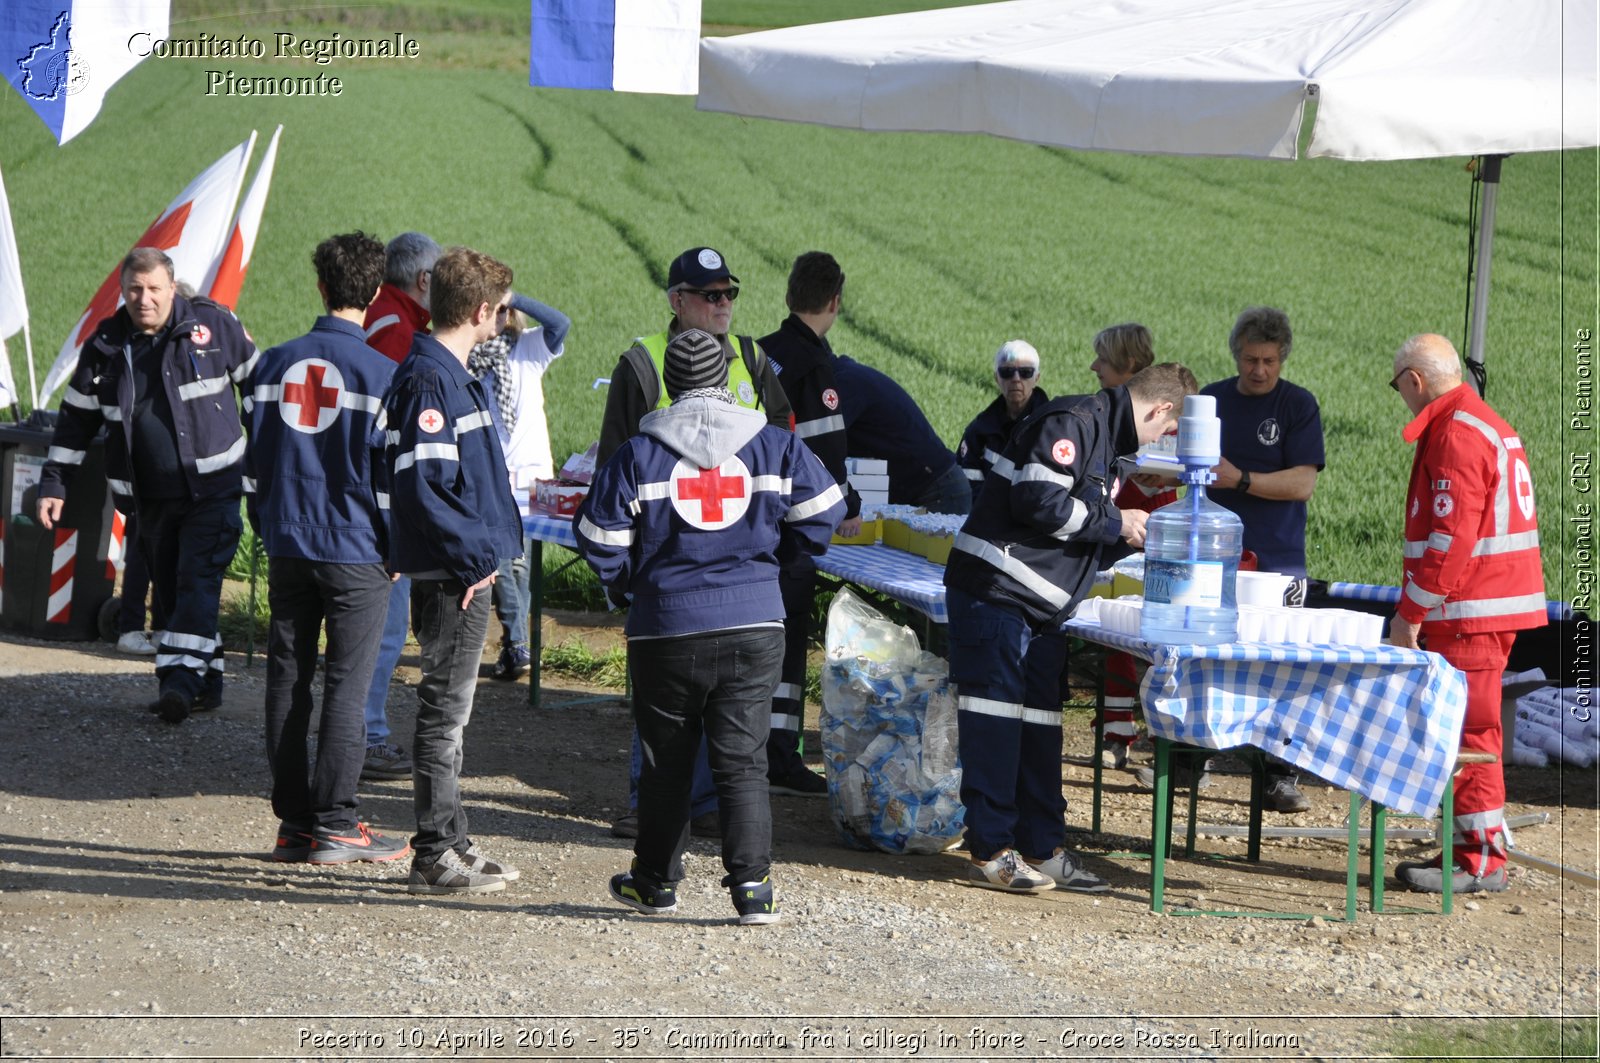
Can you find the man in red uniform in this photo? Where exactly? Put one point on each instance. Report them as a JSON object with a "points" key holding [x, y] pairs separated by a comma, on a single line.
{"points": [[401, 308], [1473, 578]]}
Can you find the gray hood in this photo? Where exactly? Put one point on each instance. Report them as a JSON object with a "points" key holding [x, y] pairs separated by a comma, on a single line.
{"points": [[704, 430]]}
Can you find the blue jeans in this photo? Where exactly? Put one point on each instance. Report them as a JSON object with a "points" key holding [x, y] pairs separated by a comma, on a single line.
{"points": [[188, 545], [716, 687], [452, 648], [395, 626], [1008, 718], [352, 600], [511, 597]]}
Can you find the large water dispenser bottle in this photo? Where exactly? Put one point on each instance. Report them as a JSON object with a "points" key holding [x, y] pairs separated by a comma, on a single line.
{"points": [[1192, 547]]}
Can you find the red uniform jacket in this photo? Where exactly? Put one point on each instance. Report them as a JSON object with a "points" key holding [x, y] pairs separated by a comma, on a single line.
{"points": [[391, 321], [1472, 537]]}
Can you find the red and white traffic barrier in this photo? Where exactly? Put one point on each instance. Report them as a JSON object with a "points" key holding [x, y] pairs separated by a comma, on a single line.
{"points": [[62, 565]]}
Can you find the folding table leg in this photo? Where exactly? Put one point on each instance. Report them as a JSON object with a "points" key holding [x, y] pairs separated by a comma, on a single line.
{"points": [[1160, 825], [1099, 736], [1380, 820], [535, 618], [1258, 784], [1352, 858], [1447, 837]]}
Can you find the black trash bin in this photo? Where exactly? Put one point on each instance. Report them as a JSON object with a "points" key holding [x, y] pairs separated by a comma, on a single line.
{"points": [[53, 582]]}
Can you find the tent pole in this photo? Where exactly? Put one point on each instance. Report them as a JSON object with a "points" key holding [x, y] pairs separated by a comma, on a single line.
{"points": [[1480, 279]]}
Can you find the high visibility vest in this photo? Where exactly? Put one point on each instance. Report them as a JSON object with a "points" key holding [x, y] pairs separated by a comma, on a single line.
{"points": [[744, 388]]}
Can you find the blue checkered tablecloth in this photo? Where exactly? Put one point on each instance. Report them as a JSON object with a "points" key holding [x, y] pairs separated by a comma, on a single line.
{"points": [[1377, 592], [1385, 722], [907, 578], [550, 530]]}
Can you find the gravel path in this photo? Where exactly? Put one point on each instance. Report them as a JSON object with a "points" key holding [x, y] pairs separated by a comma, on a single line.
{"points": [[138, 915]]}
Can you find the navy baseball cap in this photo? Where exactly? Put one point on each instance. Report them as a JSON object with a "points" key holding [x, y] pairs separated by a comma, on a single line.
{"points": [[698, 267]]}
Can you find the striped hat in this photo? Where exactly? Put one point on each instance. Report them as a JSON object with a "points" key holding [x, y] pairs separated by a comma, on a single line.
{"points": [[694, 360]]}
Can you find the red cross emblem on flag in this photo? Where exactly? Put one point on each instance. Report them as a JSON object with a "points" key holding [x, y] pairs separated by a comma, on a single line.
{"points": [[313, 393], [711, 498]]}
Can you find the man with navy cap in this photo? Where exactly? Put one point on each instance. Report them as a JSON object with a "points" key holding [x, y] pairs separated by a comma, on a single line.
{"points": [[700, 291]]}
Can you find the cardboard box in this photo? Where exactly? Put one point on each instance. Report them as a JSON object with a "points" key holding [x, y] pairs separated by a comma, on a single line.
{"points": [[868, 535], [867, 466], [875, 482], [558, 498], [896, 534], [938, 547]]}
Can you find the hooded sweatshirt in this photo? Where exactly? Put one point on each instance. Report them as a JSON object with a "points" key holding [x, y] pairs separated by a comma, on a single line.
{"points": [[687, 517]]}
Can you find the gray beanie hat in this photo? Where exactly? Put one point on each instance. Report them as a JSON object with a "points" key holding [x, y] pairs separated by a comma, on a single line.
{"points": [[694, 360]]}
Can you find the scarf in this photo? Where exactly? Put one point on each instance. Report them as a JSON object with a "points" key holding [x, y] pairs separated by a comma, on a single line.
{"points": [[494, 355]]}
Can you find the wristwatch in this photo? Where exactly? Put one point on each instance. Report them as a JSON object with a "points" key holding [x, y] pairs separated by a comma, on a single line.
{"points": [[1244, 481]]}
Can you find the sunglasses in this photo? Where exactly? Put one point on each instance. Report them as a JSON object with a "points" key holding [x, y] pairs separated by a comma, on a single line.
{"points": [[714, 295], [1394, 384], [1016, 372]]}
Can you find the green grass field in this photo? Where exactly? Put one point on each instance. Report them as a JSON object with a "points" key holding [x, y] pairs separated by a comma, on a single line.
{"points": [[952, 244]]}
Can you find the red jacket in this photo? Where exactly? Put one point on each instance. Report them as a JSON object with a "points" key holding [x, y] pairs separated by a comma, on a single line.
{"points": [[1472, 537], [392, 319]]}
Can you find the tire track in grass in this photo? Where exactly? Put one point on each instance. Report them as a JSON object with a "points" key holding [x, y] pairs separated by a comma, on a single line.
{"points": [[626, 233]]}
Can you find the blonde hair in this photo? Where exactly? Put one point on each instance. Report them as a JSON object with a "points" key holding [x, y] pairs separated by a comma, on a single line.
{"points": [[1127, 348]]}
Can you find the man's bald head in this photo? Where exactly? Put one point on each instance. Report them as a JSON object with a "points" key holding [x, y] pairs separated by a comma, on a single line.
{"points": [[1436, 365]]}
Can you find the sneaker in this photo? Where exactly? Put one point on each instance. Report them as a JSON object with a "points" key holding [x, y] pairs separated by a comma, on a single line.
{"points": [[642, 896], [362, 843], [707, 825], [1429, 878], [1284, 796], [137, 643], [753, 901], [385, 761], [513, 663], [208, 699], [625, 825], [1181, 777], [171, 706], [1114, 755], [450, 875], [1143, 744], [1067, 869], [800, 781], [485, 866], [1010, 873], [293, 845]]}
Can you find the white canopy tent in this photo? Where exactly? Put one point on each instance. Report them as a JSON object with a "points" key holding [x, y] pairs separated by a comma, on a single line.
{"points": [[1391, 79]]}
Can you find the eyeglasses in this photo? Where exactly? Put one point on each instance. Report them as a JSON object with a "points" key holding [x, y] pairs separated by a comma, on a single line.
{"points": [[503, 310], [714, 295], [1394, 385], [1016, 372]]}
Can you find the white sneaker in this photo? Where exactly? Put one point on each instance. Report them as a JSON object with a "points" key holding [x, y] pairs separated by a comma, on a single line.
{"points": [[1066, 869], [138, 643], [1008, 872]]}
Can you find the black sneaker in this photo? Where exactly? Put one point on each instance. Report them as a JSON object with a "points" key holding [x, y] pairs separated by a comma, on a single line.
{"points": [[171, 706], [386, 761], [1284, 796], [754, 902], [799, 781], [293, 846], [514, 663], [642, 896], [362, 843]]}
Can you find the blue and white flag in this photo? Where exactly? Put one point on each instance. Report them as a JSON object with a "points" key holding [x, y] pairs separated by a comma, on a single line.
{"points": [[63, 56], [622, 45]]}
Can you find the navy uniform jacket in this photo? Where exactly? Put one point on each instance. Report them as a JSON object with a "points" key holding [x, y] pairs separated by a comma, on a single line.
{"points": [[985, 438], [804, 362], [204, 355], [1036, 536], [688, 515], [315, 482], [884, 421], [451, 509]]}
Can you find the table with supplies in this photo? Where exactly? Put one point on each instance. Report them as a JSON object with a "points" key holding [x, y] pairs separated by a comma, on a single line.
{"points": [[1381, 722]]}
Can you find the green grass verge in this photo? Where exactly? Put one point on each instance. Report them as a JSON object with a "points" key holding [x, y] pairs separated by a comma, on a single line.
{"points": [[1520, 1039], [571, 657]]}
